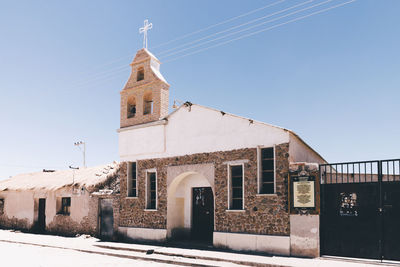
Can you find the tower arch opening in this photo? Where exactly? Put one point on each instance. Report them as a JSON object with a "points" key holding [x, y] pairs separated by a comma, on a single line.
{"points": [[147, 103], [131, 107]]}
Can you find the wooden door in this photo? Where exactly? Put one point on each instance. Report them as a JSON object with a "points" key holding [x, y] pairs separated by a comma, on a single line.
{"points": [[202, 213], [106, 219], [42, 215]]}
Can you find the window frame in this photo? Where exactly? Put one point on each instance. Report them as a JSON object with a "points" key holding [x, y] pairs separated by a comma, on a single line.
{"points": [[148, 200], [129, 180], [259, 170], [61, 210], [230, 200]]}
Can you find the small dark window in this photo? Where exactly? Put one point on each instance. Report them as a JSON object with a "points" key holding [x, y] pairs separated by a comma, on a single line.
{"points": [[140, 74], [65, 206], [1, 206], [132, 180], [267, 175], [151, 191], [236, 187]]}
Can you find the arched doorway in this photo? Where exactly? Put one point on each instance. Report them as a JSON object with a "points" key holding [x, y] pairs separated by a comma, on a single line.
{"points": [[190, 208]]}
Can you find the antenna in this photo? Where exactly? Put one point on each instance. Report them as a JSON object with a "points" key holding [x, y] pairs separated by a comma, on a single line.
{"points": [[78, 144]]}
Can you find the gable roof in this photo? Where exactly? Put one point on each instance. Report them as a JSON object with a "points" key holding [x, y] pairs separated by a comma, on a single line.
{"points": [[189, 105], [87, 177]]}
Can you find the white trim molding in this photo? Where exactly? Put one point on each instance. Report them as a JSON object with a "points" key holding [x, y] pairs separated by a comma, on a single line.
{"points": [[147, 188], [237, 163], [129, 179]]}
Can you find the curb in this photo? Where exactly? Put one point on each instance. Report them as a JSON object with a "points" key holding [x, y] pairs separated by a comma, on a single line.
{"points": [[149, 258]]}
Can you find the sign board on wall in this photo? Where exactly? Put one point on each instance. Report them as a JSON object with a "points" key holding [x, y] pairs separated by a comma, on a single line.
{"points": [[303, 194]]}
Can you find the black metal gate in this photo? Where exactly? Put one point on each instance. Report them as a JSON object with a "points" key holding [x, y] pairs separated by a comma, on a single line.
{"points": [[360, 209]]}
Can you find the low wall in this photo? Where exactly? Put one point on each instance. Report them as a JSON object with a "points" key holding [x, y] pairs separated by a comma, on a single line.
{"points": [[277, 245], [143, 234]]}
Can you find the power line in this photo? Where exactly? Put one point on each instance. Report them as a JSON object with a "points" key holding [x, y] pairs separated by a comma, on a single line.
{"points": [[234, 27], [248, 28], [263, 30], [100, 74], [27, 166], [190, 34], [100, 81], [220, 23], [121, 69]]}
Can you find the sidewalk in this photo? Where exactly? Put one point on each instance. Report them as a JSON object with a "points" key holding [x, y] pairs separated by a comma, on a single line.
{"points": [[171, 255]]}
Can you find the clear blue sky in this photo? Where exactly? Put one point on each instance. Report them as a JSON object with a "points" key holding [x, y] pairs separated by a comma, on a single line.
{"points": [[333, 78]]}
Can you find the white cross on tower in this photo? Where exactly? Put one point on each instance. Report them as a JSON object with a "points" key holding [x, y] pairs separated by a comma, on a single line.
{"points": [[144, 30]]}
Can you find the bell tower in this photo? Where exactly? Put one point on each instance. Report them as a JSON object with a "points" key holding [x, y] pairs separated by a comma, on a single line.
{"points": [[145, 96]]}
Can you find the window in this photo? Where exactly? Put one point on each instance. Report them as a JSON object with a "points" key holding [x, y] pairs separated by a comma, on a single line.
{"points": [[64, 206], [147, 103], [140, 74], [1, 206], [151, 193], [131, 106], [132, 180], [267, 171], [236, 187]]}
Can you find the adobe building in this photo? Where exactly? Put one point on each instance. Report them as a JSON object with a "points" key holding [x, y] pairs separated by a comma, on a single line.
{"points": [[203, 174], [66, 202]]}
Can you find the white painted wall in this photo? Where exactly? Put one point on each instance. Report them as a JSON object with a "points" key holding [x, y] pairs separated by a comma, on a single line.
{"points": [[278, 245], [197, 130], [20, 204], [142, 141], [299, 152]]}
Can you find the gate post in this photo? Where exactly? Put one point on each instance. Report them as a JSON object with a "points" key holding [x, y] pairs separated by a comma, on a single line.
{"points": [[304, 221], [380, 210]]}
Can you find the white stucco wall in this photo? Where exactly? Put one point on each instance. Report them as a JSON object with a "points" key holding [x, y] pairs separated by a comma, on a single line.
{"points": [[143, 141], [277, 245], [299, 152], [21, 204], [18, 205], [196, 130]]}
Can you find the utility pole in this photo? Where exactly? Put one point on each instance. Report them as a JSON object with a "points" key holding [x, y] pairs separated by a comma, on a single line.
{"points": [[78, 144]]}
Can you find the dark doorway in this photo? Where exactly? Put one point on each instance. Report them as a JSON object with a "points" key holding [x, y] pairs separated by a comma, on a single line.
{"points": [[106, 219], [41, 224], [202, 214]]}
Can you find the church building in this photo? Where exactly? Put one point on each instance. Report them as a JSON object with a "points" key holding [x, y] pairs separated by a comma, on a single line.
{"points": [[202, 174]]}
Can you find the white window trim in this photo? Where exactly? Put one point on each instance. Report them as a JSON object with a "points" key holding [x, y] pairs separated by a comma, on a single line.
{"points": [[128, 179], [229, 186], [259, 170], [147, 189]]}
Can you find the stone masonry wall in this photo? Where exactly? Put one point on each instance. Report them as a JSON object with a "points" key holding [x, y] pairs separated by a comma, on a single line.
{"points": [[263, 214]]}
